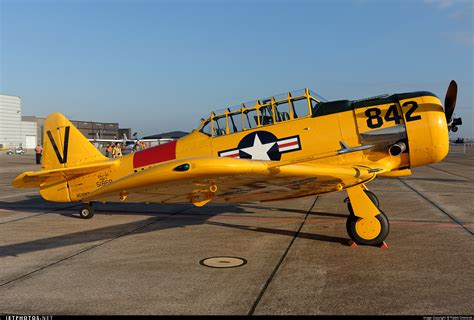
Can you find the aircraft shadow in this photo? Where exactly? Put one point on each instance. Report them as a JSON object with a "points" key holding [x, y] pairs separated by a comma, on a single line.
{"points": [[156, 222], [437, 180], [32, 203], [36, 204], [289, 233], [312, 213]]}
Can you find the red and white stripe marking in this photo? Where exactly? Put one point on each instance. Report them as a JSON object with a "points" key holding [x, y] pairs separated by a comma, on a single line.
{"points": [[231, 153], [288, 144]]}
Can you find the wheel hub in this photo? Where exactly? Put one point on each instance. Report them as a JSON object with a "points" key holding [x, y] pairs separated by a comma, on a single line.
{"points": [[368, 228]]}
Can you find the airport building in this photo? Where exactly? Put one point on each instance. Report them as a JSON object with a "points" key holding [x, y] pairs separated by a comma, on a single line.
{"points": [[27, 131], [90, 129], [173, 135], [162, 138], [15, 132], [125, 131]]}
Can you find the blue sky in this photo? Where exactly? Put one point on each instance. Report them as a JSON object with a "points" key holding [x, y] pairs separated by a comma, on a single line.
{"points": [[158, 66]]}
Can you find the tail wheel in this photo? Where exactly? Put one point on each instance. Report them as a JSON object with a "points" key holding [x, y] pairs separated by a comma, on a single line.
{"points": [[86, 211], [368, 231], [372, 197]]}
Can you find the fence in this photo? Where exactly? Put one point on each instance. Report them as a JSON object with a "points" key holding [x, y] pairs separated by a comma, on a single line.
{"points": [[461, 147]]}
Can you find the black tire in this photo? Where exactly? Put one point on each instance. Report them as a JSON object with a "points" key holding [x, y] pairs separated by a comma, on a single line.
{"points": [[86, 211], [372, 197], [378, 240]]}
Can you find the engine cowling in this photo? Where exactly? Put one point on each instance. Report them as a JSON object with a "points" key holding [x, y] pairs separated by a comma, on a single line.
{"points": [[426, 128]]}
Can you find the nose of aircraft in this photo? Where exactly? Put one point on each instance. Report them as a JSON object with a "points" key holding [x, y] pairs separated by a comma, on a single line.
{"points": [[428, 132], [439, 136]]}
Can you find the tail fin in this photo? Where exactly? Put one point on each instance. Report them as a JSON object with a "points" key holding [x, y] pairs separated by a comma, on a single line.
{"points": [[66, 152], [64, 146]]}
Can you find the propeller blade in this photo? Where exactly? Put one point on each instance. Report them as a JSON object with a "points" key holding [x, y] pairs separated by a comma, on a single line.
{"points": [[450, 100]]}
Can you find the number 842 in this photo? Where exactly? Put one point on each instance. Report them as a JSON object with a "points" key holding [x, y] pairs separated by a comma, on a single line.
{"points": [[374, 119]]}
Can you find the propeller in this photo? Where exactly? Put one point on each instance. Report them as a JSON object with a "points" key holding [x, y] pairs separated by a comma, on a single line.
{"points": [[450, 104]]}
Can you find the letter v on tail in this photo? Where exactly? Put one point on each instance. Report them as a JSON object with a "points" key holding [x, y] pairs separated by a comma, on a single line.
{"points": [[62, 159]]}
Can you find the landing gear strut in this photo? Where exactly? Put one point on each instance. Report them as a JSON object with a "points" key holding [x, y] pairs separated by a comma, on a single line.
{"points": [[370, 194], [86, 211], [366, 224]]}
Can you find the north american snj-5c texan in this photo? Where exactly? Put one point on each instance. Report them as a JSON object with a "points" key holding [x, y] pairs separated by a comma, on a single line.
{"points": [[281, 147]]}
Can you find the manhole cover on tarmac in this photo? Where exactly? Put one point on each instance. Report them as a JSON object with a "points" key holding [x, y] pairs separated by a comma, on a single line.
{"points": [[223, 262]]}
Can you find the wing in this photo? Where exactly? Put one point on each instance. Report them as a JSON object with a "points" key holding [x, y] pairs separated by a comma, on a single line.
{"points": [[199, 180]]}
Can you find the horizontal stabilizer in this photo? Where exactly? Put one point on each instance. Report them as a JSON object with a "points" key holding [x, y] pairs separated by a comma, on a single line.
{"points": [[36, 178]]}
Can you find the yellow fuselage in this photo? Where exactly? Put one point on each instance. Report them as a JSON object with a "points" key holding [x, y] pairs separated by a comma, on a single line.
{"points": [[416, 118]]}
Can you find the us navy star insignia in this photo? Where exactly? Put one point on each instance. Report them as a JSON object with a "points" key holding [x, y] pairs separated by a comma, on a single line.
{"points": [[259, 150], [262, 145]]}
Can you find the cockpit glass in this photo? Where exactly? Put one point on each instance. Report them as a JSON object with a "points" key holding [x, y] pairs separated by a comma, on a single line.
{"points": [[300, 108], [266, 116], [317, 96], [206, 128], [234, 108], [283, 96], [219, 126], [250, 104], [250, 118], [298, 93], [235, 122], [248, 115]]}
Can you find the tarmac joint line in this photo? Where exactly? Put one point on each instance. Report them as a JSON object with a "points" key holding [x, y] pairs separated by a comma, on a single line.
{"points": [[41, 213], [453, 174], [280, 261], [436, 206], [90, 248]]}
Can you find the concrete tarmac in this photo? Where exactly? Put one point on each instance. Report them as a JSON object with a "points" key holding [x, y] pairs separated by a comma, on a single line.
{"points": [[145, 259]]}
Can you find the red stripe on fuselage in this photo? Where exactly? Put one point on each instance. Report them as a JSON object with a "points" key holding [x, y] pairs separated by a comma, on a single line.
{"points": [[161, 153], [294, 143]]}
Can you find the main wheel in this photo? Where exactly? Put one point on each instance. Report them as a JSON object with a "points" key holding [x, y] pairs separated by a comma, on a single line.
{"points": [[366, 231], [86, 211], [372, 197]]}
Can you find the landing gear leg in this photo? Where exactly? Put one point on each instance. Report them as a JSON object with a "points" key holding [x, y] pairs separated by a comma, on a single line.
{"points": [[366, 224], [370, 194], [86, 211]]}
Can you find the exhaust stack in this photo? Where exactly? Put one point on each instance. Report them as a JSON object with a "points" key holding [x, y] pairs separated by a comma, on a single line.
{"points": [[397, 149]]}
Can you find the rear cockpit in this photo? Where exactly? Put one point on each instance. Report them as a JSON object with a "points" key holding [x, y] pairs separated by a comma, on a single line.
{"points": [[261, 112]]}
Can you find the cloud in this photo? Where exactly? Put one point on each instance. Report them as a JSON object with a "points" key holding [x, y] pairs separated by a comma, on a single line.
{"points": [[464, 14], [462, 38], [441, 4], [458, 9], [461, 11]]}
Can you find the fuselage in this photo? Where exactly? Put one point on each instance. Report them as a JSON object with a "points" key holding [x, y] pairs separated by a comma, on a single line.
{"points": [[311, 134]]}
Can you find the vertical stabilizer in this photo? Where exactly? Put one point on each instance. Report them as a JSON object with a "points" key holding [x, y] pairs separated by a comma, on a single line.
{"points": [[64, 146]]}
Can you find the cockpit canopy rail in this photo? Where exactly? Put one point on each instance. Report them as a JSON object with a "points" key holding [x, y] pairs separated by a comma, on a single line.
{"points": [[261, 112]]}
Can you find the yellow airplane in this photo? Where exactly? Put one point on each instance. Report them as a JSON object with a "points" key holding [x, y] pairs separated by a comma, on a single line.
{"points": [[287, 146]]}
